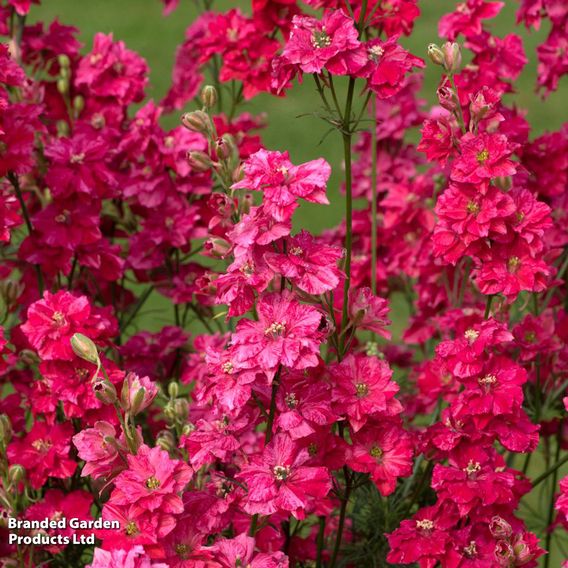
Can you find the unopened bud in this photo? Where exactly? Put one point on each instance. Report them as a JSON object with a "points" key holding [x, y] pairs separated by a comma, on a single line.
{"points": [[226, 148], [504, 183], [79, 104], [181, 409], [63, 61], [137, 393], [522, 551], [500, 528], [5, 429], [173, 390], [447, 98], [197, 121], [62, 128], [435, 54], [10, 290], [452, 57], [16, 473], [63, 85], [238, 173], [504, 554], [105, 391], [166, 441], [187, 429], [29, 357], [209, 96], [217, 247], [199, 161], [84, 348]]}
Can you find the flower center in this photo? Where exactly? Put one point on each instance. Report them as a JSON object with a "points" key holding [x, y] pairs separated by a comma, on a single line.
{"points": [[472, 467], [247, 268], [361, 390], [530, 336], [472, 208], [281, 472], [471, 550], [513, 263], [487, 381], [41, 445], [58, 318], [425, 524], [519, 216], [131, 528], [77, 158], [376, 452], [63, 217], [375, 53], [291, 400], [182, 550], [296, 251], [482, 156], [228, 367], [276, 329], [313, 449], [471, 335], [152, 483], [320, 39]]}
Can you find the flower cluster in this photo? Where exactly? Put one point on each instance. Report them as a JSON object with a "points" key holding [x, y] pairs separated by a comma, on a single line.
{"points": [[272, 415]]}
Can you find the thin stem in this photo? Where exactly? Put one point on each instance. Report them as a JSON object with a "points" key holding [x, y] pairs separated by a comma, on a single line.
{"points": [[459, 110], [139, 304], [342, 514], [16, 184], [374, 196], [347, 135], [488, 306], [550, 471], [320, 541], [272, 411], [550, 530], [550, 293], [253, 525]]}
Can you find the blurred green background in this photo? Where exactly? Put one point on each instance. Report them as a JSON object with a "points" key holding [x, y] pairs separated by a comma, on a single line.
{"points": [[141, 25]]}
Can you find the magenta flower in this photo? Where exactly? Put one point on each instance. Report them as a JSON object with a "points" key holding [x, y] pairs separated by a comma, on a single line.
{"points": [[240, 551], [286, 333], [277, 480], [310, 265], [331, 43], [120, 558], [362, 388], [370, 312], [152, 481], [283, 183], [467, 18]]}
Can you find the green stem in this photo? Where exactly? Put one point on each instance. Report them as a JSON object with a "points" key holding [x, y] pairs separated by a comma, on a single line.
{"points": [[551, 507], [320, 541], [342, 514], [272, 411], [16, 184], [347, 136], [253, 525], [459, 112], [374, 201], [550, 471], [488, 306], [141, 301]]}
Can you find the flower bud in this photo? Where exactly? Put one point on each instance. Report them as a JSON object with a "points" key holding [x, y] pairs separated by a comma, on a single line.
{"points": [[105, 391], [199, 161], [138, 393], [84, 348], [522, 551], [435, 54], [452, 57], [238, 173], [62, 128], [78, 104], [209, 96], [16, 473], [10, 291], [29, 357], [187, 429], [500, 528], [197, 121], [62, 85], [173, 390], [504, 554], [63, 61], [166, 441], [5, 429], [226, 148], [504, 183], [217, 247], [181, 409], [447, 98]]}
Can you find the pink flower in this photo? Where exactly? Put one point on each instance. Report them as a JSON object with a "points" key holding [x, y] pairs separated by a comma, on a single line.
{"points": [[53, 321], [482, 158], [384, 450], [362, 388], [286, 333], [467, 18], [283, 183], [308, 264], [138, 393], [277, 480], [331, 43], [43, 452], [152, 481], [102, 457], [387, 65], [367, 311], [240, 551], [119, 558], [112, 71]]}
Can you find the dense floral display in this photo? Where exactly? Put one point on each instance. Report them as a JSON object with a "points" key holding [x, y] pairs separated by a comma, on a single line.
{"points": [[275, 421]]}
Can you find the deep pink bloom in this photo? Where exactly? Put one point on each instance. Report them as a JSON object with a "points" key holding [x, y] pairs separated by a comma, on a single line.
{"points": [[310, 265], [283, 183], [384, 450], [362, 389], [277, 480], [467, 18], [367, 311], [152, 481], [331, 43], [286, 333], [44, 452], [119, 558], [240, 551]]}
